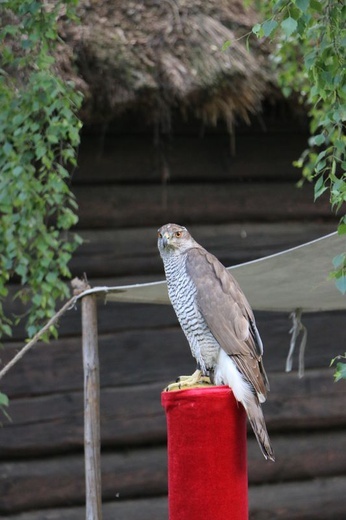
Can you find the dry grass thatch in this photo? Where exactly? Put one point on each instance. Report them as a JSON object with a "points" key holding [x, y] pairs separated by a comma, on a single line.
{"points": [[159, 54]]}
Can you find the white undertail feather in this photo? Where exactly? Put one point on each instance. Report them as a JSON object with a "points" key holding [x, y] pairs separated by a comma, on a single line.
{"points": [[227, 373], [262, 398]]}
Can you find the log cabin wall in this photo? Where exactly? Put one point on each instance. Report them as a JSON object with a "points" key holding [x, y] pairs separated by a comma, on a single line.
{"points": [[238, 196]]}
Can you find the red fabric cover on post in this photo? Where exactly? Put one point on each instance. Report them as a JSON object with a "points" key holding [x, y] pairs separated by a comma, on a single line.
{"points": [[207, 457]]}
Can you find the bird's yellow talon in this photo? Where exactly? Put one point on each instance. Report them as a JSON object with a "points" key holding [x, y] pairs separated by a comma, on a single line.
{"points": [[195, 380]]}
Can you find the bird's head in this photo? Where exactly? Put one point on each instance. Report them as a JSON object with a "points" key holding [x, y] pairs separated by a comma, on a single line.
{"points": [[174, 239]]}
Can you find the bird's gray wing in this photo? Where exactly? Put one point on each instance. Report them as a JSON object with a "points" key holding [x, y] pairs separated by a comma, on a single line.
{"points": [[228, 315]]}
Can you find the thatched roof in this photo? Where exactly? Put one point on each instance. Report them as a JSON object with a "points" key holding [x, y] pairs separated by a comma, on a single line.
{"points": [[159, 54]]}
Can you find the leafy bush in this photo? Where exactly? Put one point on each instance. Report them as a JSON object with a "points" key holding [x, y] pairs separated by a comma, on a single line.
{"points": [[310, 59], [39, 135]]}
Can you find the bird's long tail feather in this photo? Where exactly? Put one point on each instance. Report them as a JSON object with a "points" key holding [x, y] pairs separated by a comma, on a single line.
{"points": [[256, 418]]}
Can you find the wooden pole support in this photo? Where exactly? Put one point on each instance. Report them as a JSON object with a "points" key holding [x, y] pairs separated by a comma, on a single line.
{"points": [[91, 409]]}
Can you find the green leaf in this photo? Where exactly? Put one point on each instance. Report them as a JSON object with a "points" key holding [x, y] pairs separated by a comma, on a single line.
{"points": [[338, 260], [341, 229], [309, 61], [303, 5], [7, 148], [319, 187], [269, 26], [340, 372], [51, 277], [17, 171], [226, 45], [4, 401], [289, 26], [320, 165], [37, 299], [319, 139], [257, 29], [341, 284], [287, 91], [21, 269], [317, 5], [321, 155], [7, 330], [31, 330]]}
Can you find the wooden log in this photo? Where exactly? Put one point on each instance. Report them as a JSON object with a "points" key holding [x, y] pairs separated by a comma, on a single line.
{"points": [[188, 158], [139, 509], [295, 456], [126, 358], [312, 402], [326, 333], [92, 442], [152, 508], [127, 205], [133, 414], [126, 251], [317, 499], [58, 481], [130, 415], [120, 316], [136, 356]]}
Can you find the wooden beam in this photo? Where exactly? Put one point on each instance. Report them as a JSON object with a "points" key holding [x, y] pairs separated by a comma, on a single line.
{"points": [[132, 414], [119, 252], [142, 472], [316, 499], [189, 158], [91, 409], [131, 362], [123, 206]]}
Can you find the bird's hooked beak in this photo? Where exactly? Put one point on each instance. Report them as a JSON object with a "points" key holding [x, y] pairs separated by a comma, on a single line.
{"points": [[165, 239]]}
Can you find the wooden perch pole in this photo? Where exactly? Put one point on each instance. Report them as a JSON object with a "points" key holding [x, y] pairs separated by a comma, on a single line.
{"points": [[91, 409]]}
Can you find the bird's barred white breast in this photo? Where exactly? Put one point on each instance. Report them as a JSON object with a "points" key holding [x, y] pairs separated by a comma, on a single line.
{"points": [[182, 293]]}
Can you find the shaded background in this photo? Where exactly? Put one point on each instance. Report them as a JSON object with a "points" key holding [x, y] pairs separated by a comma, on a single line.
{"points": [[175, 130]]}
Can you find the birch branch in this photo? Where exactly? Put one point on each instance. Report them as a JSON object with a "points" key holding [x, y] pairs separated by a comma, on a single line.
{"points": [[70, 303]]}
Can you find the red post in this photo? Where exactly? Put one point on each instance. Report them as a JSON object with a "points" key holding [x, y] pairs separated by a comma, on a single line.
{"points": [[207, 456]]}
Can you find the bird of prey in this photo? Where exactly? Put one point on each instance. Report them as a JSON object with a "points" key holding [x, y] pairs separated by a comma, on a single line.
{"points": [[218, 322]]}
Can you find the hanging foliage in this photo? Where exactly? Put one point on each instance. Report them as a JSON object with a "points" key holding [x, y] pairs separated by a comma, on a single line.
{"points": [[309, 57], [39, 135]]}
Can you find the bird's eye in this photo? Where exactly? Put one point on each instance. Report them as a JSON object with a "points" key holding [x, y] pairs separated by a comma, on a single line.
{"points": [[159, 235], [178, 234]]}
